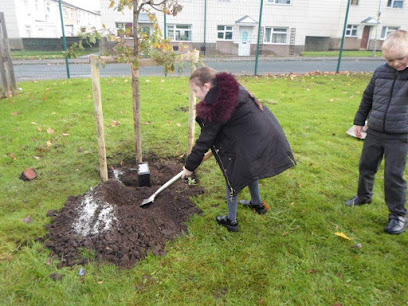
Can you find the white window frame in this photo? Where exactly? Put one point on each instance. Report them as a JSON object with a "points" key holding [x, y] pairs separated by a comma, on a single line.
{"points": [[224, 32], [173, 27], [351, 30], [387, 30], [123, 26], [393, 3], [278, 2], [273, 31]]}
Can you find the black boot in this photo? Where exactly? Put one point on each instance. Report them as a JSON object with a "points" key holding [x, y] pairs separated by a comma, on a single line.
{"points": [[260, 209], [396, 225], [356, 201], [232, 225]]}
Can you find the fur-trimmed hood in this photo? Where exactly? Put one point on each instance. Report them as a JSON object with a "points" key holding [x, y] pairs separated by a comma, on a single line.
{"points": [[220, 102]]}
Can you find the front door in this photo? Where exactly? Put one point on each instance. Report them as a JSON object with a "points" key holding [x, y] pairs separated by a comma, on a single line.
{"points": [[365, 37], [244, 48]]}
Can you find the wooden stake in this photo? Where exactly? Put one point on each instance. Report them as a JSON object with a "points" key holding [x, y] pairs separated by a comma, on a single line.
{"points": [[192, 107], [136, 112], [96, 85], [9, 86]]}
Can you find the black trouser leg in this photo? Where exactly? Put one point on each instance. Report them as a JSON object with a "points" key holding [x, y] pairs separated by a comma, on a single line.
{"points": [[370, 161], [395, 186]]}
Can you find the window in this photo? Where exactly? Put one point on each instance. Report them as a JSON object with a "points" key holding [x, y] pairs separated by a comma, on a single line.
{"points": [[179, 32], [395, 3], [276, 35], [224, 32], [387, 31], [123, 26], [354, 2], [145, 30], [280, 1], [351, 30]]}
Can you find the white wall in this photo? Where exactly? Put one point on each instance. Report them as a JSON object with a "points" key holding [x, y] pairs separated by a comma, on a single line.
{"points": [[310, 18]]}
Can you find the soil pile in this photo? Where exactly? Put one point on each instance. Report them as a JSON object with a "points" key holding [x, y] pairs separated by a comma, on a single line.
{"points": [[109, 222]]}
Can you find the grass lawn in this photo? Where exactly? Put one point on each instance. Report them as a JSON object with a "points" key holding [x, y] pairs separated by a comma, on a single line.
{"points": [[291, 255], [30, 55], [345, 53]]}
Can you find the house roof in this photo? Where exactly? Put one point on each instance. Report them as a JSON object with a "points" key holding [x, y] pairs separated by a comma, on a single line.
{"points": [[64, 3], [370, 20], [246, 21]]}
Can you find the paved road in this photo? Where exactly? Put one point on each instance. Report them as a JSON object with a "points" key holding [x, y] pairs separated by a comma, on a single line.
{"points": [[80, 68]]}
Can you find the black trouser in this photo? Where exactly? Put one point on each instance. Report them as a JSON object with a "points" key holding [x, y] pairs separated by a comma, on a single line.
{"points": [[394, 148]]}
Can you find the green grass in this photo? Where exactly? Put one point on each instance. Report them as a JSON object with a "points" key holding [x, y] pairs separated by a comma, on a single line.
{"points": [[38, 55], [345, 53], [291, 255]]}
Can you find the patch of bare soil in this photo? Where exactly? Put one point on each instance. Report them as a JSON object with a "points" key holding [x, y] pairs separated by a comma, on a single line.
{"points": [[109, 222]]}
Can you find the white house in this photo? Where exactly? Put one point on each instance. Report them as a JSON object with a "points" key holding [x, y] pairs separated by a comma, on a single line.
{"points": [[42, 19], [288, 27]]}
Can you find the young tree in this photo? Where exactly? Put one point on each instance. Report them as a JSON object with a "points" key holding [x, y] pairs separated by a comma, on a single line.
{"points": [[145, 45]]}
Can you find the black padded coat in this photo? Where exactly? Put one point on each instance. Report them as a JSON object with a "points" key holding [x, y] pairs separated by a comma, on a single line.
{"points": [[247, 142], [385, 101]]}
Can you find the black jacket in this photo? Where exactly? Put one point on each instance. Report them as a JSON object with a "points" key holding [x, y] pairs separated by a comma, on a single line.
{"points": [[248, 143], [385, 101]]}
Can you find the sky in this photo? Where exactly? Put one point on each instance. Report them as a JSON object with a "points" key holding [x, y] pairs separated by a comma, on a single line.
{"points": [[93, 5]]}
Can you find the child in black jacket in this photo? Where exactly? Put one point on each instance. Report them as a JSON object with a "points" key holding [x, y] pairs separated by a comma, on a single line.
{"points": [[244, 136], [385, 101]]}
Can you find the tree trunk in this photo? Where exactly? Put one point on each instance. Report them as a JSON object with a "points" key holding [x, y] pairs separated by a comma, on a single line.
{"points": [[135, 85]]}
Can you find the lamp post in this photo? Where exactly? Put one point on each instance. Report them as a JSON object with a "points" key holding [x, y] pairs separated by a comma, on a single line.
{"points": [[376, 28], [344, 35], [259, 36], [64, 41]]}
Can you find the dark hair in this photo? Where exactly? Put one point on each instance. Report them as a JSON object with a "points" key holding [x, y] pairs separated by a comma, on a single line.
{"points": [[203, 75]]}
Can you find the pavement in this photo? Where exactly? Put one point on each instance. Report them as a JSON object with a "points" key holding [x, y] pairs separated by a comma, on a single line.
{"points": [[85, 59]]}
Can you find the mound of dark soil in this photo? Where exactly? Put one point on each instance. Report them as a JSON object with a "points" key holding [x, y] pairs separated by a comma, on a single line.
{"points": [[109, 222]]}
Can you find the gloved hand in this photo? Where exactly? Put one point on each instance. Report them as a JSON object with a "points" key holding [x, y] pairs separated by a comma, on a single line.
{"points": [[186, 174]]}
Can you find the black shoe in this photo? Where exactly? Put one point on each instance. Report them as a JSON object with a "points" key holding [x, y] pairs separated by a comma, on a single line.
{"points": [[396, 225], [356, 201], [260, 209], [232, 225]]}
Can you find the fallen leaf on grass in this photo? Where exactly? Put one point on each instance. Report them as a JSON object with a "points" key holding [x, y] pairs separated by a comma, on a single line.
{"points": [[36, 157], [28, 220], [343, 235], [65, 134], [100, 282], [13, 156], [39, 129], [49, 143], [50, 131], [115, 123], [15, 113], [178, 124]]}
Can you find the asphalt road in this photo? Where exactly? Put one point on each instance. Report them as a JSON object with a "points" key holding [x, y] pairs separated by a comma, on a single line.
{"points": [[56, 69]]}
